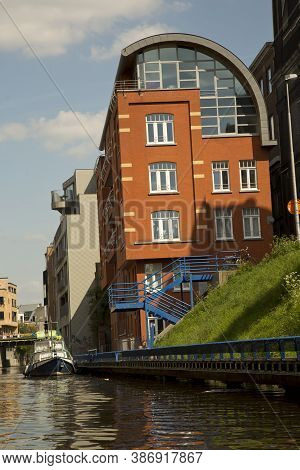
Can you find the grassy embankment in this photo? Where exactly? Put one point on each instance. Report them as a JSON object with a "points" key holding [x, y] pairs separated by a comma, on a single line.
{"points": [[257, 301]]}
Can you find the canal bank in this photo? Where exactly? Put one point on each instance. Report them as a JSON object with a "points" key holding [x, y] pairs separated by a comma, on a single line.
{"points": [[84, 412]]}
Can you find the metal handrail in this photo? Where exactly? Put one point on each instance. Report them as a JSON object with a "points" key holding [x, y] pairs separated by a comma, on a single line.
{"points": [[254, 349], [152, 291]]}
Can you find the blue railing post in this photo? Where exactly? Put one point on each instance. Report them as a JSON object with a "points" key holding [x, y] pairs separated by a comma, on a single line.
{"points": [[297, 348], [267, 350], [151, 336], [191, 291], [282, 350]]}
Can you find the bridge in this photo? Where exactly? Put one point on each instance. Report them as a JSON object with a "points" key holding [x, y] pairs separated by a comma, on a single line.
{"points": [[271, 361]]}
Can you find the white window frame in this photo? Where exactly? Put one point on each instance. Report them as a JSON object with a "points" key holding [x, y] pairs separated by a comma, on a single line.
{"points": [[170, 216], [154, 121], [251, 213], [269, 80], [185, 286], [261, 86], [272, 128], [220, 167], [167, 171], [248, 166], [226, 214]]}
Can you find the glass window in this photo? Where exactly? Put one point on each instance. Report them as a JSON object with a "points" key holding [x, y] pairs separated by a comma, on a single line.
{"points": [[246, 119], [239, 89], [159, 128], [248, 175], [226, 102], [190, 75], [226, 111], [185, 53], [185, 67], [209, 121], [224, 74], [163, 177], [269, 79], [205, 112], [165, 225], [247, 129], [225, 83], [220, 174], [168, 53], [209, 131], [261, 85], [227, 125], [271, 127], [223, 221], [169, 75], [152, 67], [201, 56], [245, 110], [151, 55], [188, 84], [207, 83], [208, 102], [251, 223]]}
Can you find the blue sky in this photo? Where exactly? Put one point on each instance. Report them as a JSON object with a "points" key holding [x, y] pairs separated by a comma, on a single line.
{"points": [[79, 42]]}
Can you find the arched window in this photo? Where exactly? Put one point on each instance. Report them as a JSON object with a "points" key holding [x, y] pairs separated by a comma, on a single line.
{"points": [[165, 226], [227, 107], [160, 128], [162, 177]]}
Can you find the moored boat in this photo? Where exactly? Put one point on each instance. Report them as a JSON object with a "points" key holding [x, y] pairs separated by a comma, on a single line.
{"points": [[50, 357]]}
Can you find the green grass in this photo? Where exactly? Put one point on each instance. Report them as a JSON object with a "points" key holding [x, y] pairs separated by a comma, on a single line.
{"points": [[254, 303]]}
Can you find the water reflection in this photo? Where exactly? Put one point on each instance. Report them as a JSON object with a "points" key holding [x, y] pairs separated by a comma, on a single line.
{"points": [[80, 412]]}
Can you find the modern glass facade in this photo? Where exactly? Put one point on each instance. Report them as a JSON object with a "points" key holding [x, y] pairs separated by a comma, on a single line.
{"points": [[227, 107]]}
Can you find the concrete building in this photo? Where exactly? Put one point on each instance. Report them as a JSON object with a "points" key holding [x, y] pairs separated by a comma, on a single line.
{"points": [[26, 312], [273, 62], [8, 308], [185, 170], [49, 286], [34, 314], [76, 252]]}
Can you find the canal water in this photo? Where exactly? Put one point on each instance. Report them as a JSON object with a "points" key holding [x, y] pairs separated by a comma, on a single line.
{"points": [[83, 412]]}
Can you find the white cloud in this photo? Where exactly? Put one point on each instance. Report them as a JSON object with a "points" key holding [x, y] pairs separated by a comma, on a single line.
{"points": [[125, 38], [51, 26], [13, 131], [74, 135]]}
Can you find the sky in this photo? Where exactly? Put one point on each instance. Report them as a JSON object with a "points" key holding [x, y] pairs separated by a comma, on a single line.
{"points": [[61, 56]]}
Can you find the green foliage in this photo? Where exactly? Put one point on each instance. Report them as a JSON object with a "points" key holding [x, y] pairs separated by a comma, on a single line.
{"points": [[260, 300], [99, 310], [27, 328]]}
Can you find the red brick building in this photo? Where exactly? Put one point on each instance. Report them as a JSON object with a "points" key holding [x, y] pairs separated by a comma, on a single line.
{"points": [[185, 170]]}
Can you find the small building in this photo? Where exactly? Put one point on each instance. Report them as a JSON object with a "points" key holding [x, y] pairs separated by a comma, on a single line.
{"points": [[184, 170], [75, 252], [8, 308]]}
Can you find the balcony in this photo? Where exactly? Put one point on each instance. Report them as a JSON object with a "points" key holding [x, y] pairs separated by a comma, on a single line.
{"points": [[126, 85], [60, 202]]}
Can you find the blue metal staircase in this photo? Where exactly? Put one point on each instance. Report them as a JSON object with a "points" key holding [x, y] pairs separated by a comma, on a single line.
{"points": [[151, 294]]}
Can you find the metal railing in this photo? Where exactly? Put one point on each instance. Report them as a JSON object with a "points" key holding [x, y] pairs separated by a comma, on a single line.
{"points": [[129, 292], [180, 270], [122, 85], [268, 349]]}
